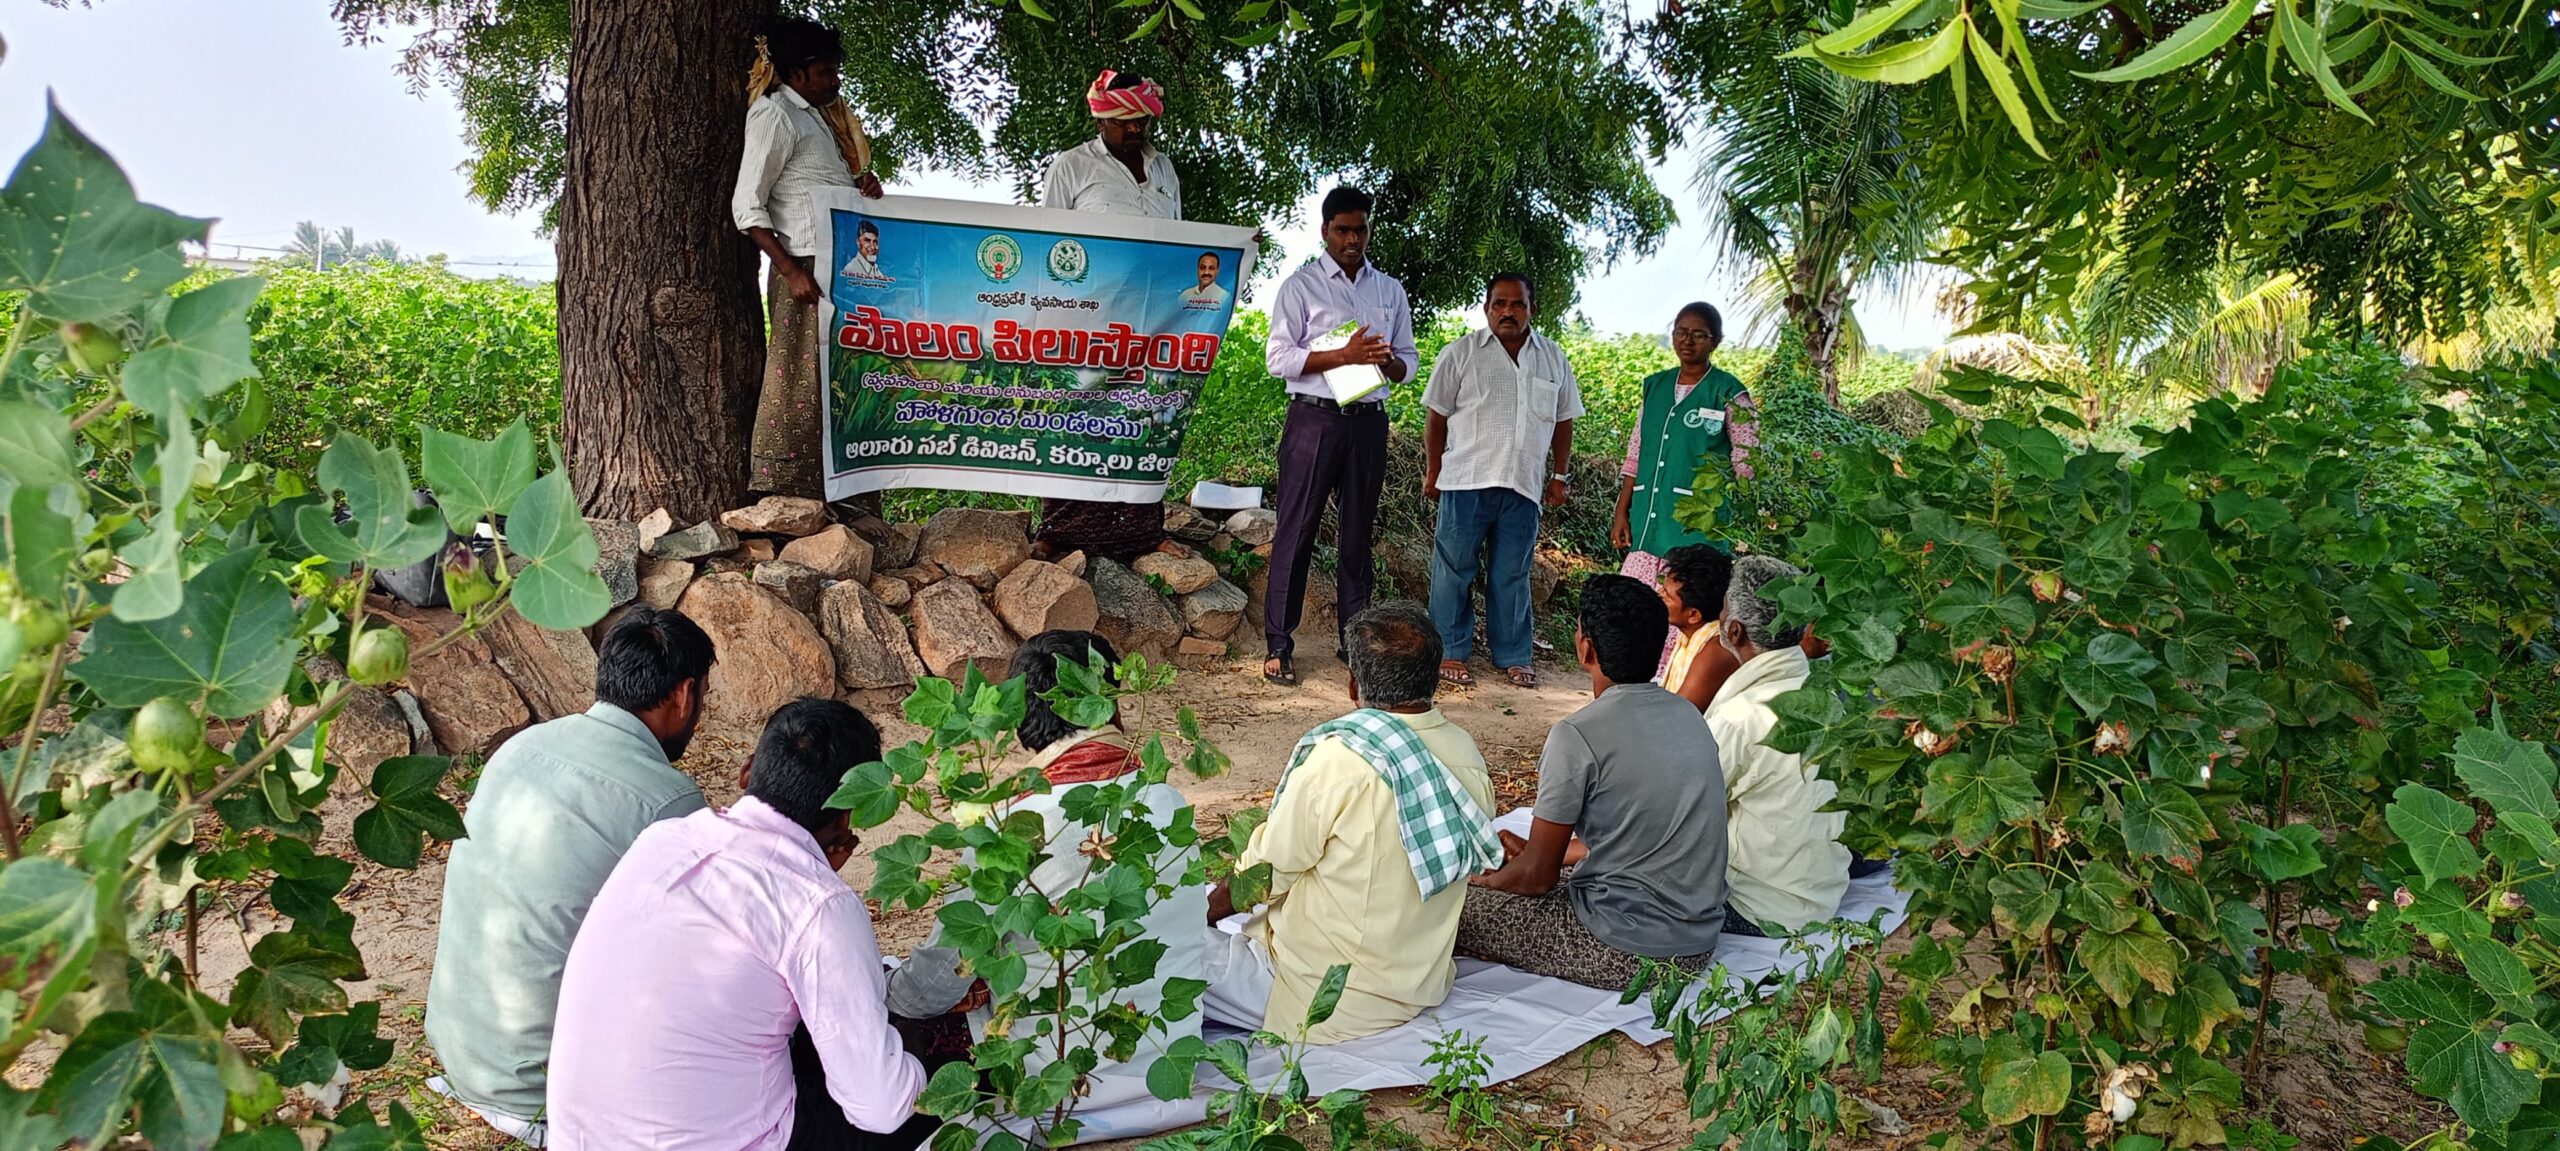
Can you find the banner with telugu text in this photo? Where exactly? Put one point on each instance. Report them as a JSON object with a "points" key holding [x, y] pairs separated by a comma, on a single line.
{"points": [[1032, 351]]}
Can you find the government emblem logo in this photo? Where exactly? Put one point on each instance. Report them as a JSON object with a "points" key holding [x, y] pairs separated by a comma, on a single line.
{"points": [[1067, 262], [1000, 257]]}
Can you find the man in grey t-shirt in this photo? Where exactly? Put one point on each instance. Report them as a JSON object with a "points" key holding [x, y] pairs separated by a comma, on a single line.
{"points": [[1625, 859]]}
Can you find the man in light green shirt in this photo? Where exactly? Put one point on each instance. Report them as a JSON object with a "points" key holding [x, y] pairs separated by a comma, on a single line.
{"points": [[553, 812]]}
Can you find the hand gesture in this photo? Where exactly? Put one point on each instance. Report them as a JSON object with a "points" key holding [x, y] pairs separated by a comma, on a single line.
{"points": [[1366, 348], [804, 287], [1621, 535], [1555, 493]]}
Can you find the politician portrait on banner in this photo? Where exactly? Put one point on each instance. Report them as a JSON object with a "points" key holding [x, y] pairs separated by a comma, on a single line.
{"points": [[988, 347]]}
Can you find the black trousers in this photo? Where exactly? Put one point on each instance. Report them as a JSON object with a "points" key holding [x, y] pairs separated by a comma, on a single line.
{"points": [[1326, 453], [818, 1123]]}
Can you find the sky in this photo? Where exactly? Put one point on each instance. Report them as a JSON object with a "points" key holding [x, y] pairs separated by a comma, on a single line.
{"points": [[259, 113]]}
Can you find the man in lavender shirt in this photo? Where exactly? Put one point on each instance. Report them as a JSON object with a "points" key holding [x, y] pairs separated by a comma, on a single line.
{"points": [[725, 992], [1330, 450]]}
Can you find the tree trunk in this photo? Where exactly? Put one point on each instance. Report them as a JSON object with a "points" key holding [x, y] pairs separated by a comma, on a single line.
{"points": [[661, 323]]}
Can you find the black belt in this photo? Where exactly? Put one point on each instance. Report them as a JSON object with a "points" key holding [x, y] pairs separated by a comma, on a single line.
{"points": [[1355, 407]]}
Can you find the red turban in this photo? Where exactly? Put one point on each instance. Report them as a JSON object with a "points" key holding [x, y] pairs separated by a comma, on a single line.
{"points": [[1109, 103]]}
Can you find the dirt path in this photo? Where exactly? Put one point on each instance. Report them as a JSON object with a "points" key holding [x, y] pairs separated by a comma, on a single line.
{"points": [[1611, 1093]]}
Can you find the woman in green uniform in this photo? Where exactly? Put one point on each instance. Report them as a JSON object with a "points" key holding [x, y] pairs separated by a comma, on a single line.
{"points": [[1692, 413]]}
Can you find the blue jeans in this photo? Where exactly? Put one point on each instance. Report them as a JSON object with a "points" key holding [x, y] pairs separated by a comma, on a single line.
{"points": [[1505, 523]]}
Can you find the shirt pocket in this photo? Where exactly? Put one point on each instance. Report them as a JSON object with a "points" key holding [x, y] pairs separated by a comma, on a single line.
{"points": [[1544, 394]]}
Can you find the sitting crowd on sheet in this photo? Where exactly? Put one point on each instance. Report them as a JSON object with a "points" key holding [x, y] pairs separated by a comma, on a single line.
{"points": [[620, 964]]}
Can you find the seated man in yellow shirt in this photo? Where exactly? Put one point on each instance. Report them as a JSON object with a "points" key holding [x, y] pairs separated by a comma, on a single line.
{"points": [[1375, 827]]}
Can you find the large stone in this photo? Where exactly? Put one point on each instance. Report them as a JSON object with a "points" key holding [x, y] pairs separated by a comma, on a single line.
{"points": [[369, 729], [1133, 617], [758, 550], [897, 548], [1214, 611], [953, 633], [793, 516], [1038, 597], [796, 584], [834, 552], [891, 590], [468, 700], [693, 543], [1073, 563], [768, 654], [1317, 612], [662, 582], [617, 558], [1184, 523], [1254, 527], [1195, 653], [1182, 574], [919, 576], [654, 526], [555, 671], [871, 646], [1544, 575], [976, 544], [1407, 564]]}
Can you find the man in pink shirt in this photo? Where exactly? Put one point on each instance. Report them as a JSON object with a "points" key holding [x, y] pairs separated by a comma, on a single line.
{"points": [[727, 984]]}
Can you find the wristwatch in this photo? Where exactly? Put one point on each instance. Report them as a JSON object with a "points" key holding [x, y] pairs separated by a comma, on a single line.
{"points": [[1561, 477]]}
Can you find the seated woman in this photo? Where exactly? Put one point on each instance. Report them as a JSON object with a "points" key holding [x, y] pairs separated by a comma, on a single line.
{"points": [[1785, 863], [931, 982], [1693, 581]]}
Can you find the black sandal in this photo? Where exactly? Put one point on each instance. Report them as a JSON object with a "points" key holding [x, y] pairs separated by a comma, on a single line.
{"points": [[1287, 676]]}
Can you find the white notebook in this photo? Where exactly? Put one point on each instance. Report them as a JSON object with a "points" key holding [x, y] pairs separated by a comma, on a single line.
{"points": [[1352, 381]]}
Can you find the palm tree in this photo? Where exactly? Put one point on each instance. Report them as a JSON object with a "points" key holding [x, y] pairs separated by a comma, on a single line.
{"points": [[1806, 177], [320, 248]]}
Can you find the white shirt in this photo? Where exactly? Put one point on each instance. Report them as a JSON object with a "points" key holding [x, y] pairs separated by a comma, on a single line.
{"points": [[1204, 298], [1502, 416], [862, 267], [1088, 178], [789, 153], [1316, 299], [1783, 863]]}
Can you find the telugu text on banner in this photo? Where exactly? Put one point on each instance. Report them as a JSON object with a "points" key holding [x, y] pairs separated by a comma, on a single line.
{"points": [[989, 347]]}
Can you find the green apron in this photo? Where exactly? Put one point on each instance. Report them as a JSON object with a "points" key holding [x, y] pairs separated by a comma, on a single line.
{"points": [[1672, 439]]}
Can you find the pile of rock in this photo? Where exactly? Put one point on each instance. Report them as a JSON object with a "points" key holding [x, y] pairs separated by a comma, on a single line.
{"points": [[796, 605]]}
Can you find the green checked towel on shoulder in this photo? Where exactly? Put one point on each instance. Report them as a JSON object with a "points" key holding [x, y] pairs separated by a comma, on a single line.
{"points": [[1446, 836]]}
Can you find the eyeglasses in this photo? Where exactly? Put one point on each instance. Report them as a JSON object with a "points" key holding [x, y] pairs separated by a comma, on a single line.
{"points": [[1692, 334]]}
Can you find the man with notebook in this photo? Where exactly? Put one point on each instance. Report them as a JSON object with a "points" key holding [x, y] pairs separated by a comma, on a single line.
{"points": [[1341, 333]]}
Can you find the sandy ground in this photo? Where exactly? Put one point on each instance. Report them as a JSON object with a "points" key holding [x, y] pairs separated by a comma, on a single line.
{"points": [[1612, 1093]]}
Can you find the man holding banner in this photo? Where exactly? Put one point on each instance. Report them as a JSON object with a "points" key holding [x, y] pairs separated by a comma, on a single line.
{"points": [[1029, 351], [1115, 172]]}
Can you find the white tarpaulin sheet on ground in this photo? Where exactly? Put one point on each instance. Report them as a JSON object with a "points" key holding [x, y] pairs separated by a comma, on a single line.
{"points": [[1526, 1021]]}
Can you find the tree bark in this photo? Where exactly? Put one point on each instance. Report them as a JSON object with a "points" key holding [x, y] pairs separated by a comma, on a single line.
{"points": [[661, 323]]}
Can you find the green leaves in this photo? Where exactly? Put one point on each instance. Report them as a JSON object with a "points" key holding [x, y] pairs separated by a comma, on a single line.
{"points": [[292, 974], [1908, 62], [558, 588], [1328, 993], [2123, 961], [2507, 773], [1976, 798], [2451, 1053], [2437, 829], [385, 528], [476, 479], [2190, 44], [73, 237], [152, 1056], [2163, 821], [203, 351], [405, 805], [1169, 1077], [231, 644], [2014, 1089], [2290, 852], [2113, 669]]}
